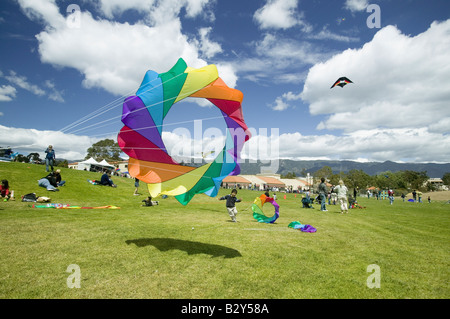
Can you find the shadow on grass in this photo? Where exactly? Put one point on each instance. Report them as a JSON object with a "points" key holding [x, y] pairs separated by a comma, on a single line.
{"points": [[191, 247]]}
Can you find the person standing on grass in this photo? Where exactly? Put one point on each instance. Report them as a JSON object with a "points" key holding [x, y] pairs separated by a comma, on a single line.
{"points": [[136, 184], [419, 194], [231, 204], [391, 196], [323, 194], [49, 157], [341, 191]]}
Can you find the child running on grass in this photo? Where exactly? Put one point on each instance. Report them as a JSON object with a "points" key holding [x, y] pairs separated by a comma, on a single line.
{"points": [[231, 204]]}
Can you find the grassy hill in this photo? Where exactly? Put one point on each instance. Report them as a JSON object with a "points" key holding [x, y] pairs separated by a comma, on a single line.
{"points": [[194, 251]]}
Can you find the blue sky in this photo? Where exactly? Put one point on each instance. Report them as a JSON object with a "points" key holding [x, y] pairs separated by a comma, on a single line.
{"points": [[57, 69]]}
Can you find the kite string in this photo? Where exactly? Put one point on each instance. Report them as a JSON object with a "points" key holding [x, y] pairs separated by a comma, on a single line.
{"points": [[187, 94], [92, 116], [153, 126], [76, 123]]}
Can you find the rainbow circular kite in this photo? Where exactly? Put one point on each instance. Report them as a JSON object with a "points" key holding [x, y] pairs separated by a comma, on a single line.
{"points": [[143, 116], [257, 209]]}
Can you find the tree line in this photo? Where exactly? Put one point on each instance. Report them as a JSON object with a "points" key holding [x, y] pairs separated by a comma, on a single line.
{"points": [[356, 178]]}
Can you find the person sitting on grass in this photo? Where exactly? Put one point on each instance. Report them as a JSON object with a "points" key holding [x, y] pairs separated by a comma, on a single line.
{"points": [[106, 180], [306, 201], [231, 204], [56, 178], [4, 191], [149, 202], [49, 182]]}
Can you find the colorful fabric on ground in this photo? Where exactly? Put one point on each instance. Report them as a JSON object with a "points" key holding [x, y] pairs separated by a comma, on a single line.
{"points": [[66, 206], [257, 209], [303, 228], [141, 137]]}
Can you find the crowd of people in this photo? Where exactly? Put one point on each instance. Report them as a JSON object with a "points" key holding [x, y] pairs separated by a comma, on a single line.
{"points": [[336, 194]]}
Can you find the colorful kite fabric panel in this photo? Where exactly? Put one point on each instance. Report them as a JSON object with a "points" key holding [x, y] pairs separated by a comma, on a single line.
{"points": [[257, 209], [303, 228], [141, 137], [66, 206]]}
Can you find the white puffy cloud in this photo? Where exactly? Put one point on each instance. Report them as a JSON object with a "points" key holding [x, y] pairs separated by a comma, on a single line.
{"points": [[54, 94], [7, 93], [194, 8], [370, 145], [280, 59], [326, 34], [45, 11], [205, 45], [282, 102], [280, 14], [356, 5], [400, 81], [364, 145], [410, 145], [68, 146], [22, 82], [113, 55], [110, 8]]}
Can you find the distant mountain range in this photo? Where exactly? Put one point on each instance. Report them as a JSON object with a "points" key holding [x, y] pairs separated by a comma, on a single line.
{"points": [[371, 168]]}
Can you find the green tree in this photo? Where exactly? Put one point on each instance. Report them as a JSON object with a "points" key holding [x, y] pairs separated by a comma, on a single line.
{"points": [[21, 159], [303, 172], [63, 163], [105, 149], [415, 179], [325, 171], [334, 179], [289, 175], [357, 178], [35, 157], [446, 178]]}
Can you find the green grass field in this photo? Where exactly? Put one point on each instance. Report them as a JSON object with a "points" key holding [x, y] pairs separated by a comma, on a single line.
{"points": [[172, 251]]}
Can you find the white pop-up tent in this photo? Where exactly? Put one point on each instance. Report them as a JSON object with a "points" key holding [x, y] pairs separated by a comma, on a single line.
{"points": [[104, 163], [92, 165]]}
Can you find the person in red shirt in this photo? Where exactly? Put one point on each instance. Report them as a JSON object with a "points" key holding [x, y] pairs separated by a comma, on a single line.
{"points": [[4, 190]]}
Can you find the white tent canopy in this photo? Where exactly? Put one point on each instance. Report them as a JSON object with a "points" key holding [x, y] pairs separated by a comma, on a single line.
{"points": [[92, 165], [106, 164], [89, 161]]}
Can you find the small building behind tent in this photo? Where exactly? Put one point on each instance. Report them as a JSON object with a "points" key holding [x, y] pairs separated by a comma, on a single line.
{"points": [[236, 181]]}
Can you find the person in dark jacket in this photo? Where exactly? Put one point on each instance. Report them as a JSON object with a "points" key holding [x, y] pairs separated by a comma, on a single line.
{"points": [[49, 182], [323, 194], [105, 180], [49, 157], [55, 178], [231, 204]]}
